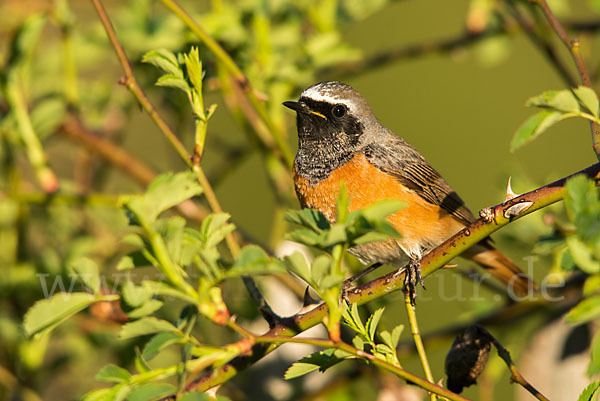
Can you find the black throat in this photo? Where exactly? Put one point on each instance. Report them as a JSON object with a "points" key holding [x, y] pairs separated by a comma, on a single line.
{"points": [[325, 144]]}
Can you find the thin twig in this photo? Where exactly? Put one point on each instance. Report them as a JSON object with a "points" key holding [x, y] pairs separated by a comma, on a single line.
{"points": [[573, 45], [542, 44], [414, 330], [392, 281], [515, 375]]}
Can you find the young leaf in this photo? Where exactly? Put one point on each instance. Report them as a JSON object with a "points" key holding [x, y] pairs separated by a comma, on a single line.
{"points": [[590, 393], [144, 326], [113, 374], [163, 59], [87, 271], [594, 366], [46, 314], [584, 311], [534, 126], [308, 218], [582, 255], [320, 267], [158, 343], [146, 309], [322, 360], [135, 295], [296, 263], [253, 260], [173, 81], [588, 98], [372, 323], [163, 193]]}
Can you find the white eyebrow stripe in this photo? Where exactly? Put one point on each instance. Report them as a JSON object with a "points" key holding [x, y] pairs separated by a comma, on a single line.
{"points": [[314, 94]]}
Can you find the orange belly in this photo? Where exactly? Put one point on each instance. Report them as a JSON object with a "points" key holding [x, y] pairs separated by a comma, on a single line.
{"points": [[420, 222]]}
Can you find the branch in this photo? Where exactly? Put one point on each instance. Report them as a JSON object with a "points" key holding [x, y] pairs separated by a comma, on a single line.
{"points": [[515, 375], [496, 217], [573, 45]]}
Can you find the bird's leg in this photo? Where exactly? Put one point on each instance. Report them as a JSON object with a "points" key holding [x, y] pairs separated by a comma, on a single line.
{"points": [[413, 275], [346, 285]]}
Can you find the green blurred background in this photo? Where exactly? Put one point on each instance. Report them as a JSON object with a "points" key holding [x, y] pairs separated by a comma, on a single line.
{"points": [[458, 108]]}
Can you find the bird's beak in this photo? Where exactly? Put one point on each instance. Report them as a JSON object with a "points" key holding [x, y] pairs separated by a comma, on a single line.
{"points": [[301, 107]]}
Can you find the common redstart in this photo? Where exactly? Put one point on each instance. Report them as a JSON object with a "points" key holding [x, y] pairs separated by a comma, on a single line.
{"points": [[340, 139]]}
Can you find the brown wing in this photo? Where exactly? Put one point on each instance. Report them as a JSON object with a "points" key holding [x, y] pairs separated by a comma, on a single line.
{"points": [[396, 157]]}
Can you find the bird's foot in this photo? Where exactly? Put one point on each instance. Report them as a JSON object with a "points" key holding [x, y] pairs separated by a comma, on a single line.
{"points": [[413, 275]]}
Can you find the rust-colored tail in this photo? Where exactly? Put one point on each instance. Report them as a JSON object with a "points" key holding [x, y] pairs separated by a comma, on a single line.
{"points": [[502, 268]]}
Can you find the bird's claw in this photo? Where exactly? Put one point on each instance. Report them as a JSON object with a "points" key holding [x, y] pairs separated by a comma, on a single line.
{"points": [[413, 275]]}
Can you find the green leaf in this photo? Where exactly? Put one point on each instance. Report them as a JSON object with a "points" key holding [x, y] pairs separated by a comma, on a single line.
{"points": [[87, 271], [253, 260], [591, 285], [125, 263], [372, 323], [565, 101], [594, 366], [584, 311], [163, 193], [46, 314], [113, 374], [193, 67], [331, 280], [163, 59], [308, 218], [358, 342], [144, 326], [322, 360], [146, 309], [382, 209], [173, 81], [135, 295], [320, 267], [534, 126], [214, 229], [352, 319], [335, 235], [588, 98], [296, 263], [151, 392], [171, 230], [582, 255], [590, 393], [47, 116], [160, 342]]}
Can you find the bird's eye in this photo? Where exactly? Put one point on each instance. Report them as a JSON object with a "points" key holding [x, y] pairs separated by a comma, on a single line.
{"points": [[339, 111]]}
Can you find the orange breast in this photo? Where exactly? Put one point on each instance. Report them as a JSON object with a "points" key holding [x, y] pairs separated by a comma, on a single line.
{"points": [[420, 222]]}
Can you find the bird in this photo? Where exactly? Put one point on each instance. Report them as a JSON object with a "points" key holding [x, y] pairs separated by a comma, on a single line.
{"points": [[341, 140]]}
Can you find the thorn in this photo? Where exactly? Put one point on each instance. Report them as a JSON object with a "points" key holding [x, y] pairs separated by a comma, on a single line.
{"points": [[308, 298], [449, 266], [509, 192]]}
